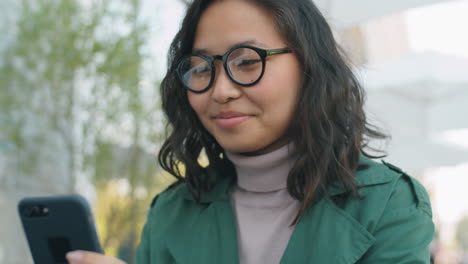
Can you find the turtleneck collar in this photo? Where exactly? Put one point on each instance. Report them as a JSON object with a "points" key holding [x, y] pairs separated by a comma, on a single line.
{"points": [[264, 173]]}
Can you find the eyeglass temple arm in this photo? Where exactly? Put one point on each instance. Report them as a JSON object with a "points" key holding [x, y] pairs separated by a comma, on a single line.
{"points": [[277, 51]]}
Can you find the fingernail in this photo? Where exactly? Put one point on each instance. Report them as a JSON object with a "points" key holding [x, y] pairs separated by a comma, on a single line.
{"points": [[74, 256]]}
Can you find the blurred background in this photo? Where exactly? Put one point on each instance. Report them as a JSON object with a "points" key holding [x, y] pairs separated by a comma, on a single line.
{"points": [[80, 111]]}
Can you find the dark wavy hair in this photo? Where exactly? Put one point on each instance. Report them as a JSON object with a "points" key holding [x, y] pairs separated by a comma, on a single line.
{"points": [[329, 131]]}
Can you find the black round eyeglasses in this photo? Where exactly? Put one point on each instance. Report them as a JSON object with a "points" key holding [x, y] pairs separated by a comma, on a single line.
{"points": [[244, 65]]}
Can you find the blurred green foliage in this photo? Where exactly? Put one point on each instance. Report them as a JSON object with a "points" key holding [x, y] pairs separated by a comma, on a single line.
{"points": [[73, 80]]}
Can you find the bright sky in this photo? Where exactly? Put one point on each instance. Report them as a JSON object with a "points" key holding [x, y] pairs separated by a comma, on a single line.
{"points": [[441, 27], [165, 17]]}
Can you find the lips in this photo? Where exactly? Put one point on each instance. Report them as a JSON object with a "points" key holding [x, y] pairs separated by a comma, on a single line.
{"points": [[230, 119]]}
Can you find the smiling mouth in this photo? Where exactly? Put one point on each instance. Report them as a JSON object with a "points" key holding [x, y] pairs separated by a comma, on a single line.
{"points": [[230, 122]]}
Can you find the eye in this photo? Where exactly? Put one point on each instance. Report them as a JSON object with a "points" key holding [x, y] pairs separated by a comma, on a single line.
{"points": [[201, 73], [200, 70], [246, 62], [244, 59], [246, 65]]}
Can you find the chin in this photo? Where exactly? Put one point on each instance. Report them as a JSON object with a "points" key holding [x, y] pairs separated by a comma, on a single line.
{"points": [[239, 148], [253, 148]]}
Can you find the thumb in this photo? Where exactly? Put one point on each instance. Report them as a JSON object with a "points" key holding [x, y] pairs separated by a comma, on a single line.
{"points": [[87, 257]]}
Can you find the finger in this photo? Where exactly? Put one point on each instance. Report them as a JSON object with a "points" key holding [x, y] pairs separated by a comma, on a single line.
{"points": [[86, 257]]}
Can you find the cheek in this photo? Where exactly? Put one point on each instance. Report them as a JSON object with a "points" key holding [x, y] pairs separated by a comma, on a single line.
{"points": [[279, 96], [199, 104], [281, 90]]}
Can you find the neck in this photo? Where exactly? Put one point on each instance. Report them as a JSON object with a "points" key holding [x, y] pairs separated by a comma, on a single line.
{"points": [[264, 173]]}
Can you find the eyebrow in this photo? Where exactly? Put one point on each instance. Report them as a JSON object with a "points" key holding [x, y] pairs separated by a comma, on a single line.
{"points": [[247, 42]]}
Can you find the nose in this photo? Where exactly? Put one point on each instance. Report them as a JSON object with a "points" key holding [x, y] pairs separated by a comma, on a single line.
{"points": [[223, 88]]}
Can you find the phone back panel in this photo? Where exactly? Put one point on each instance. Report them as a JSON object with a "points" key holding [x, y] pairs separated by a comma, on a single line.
{"points": [[67, 225]]}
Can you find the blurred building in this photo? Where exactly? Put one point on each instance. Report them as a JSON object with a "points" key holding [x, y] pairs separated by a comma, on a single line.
{"points": [[418, 97]]}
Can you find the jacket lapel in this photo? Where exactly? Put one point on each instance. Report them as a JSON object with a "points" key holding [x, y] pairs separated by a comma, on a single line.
{"points": [[326, 234], [211, 238]]}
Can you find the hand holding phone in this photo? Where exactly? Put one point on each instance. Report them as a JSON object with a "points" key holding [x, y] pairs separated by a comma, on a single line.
{"points": [[86, 257]]}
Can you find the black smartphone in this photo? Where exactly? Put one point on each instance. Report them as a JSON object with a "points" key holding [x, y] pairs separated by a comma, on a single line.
{"points": [[55, 225]]}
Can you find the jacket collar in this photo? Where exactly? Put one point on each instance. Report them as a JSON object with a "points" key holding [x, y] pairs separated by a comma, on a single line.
{"points": [[324, 225], [363, 178], [219, 192]]}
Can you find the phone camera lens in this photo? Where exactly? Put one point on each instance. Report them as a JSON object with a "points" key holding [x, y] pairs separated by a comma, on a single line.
{"points": [[36, 210]]}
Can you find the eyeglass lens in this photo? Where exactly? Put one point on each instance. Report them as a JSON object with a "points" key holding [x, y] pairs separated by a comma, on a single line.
{"points": [[244, 66]]}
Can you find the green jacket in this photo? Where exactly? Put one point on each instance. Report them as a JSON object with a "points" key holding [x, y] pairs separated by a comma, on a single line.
{"points": [[391, 224]]}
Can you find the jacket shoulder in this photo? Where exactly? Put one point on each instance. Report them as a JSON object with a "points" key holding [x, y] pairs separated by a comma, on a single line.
{"points": [[386, 191], [173, 192], [398, 215], [407, 192]]}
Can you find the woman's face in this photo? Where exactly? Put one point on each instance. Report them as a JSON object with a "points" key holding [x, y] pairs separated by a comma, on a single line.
{"points": [[251, 119]]}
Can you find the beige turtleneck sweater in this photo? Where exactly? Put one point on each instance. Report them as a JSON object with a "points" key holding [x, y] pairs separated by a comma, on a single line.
{"points": [[263, 208]]}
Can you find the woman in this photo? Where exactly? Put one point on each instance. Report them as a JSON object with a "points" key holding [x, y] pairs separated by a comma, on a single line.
{"points": [[261, 89]]}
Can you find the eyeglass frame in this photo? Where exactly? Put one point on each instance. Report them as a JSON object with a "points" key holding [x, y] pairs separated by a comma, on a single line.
{"points": [[211, 59]]}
